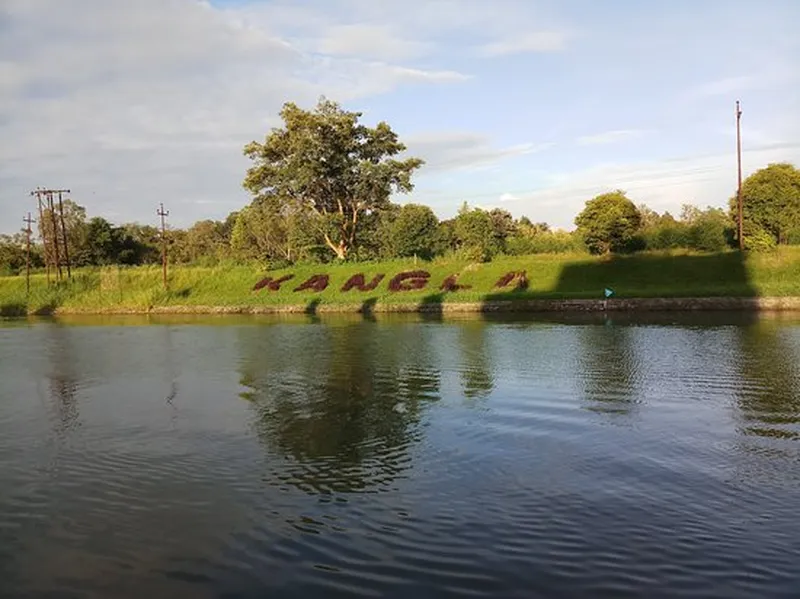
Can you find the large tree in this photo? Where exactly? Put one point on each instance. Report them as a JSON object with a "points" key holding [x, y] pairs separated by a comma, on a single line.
{"points": [[475, 231], [269, 229], [412, 232], [327, 162], [609, 223], [771, 202]]}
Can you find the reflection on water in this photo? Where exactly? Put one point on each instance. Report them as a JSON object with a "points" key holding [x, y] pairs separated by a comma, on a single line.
{"points": [[769, 400], [318, 456], [608, 359], [476, 370], [341, 405]]}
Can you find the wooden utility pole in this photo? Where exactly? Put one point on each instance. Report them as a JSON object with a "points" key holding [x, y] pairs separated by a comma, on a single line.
{"points": [[739, 202], [52, 251], [64, 230], [28, 220], [52, 209], [163, 214], [43, 231]]}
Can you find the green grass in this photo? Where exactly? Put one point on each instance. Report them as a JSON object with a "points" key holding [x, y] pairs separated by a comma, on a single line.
{"points": [[645, 275]]}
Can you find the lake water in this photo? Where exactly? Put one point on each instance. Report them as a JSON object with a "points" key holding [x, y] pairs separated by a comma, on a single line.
{"points": [[245, 457]]}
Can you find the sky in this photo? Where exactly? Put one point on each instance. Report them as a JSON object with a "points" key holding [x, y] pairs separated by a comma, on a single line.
{"points": [[528, 105]]}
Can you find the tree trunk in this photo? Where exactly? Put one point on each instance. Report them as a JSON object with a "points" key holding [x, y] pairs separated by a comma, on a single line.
{"points": [[340, 249]]}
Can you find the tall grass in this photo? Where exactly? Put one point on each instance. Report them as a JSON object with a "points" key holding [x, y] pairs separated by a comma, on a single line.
{"points": [[653, 274]]}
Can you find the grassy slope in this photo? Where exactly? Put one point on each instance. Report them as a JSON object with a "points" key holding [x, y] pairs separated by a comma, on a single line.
{"points": [[550, 276]]}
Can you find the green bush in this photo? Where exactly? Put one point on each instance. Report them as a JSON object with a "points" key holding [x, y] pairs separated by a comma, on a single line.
{"points": [[759, 240], [556, 242], [667, 237], [708, 235]]}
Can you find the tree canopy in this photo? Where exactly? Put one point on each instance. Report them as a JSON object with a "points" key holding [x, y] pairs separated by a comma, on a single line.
{"points": [[609, 223], [325, 161], [770, 204]]}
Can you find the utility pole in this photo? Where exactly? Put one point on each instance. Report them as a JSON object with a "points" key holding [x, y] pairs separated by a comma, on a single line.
{"points": [[52, 209], [39, 192], [28, 220], [64, 230], [51, 249], [739, 201], [163, 214]]}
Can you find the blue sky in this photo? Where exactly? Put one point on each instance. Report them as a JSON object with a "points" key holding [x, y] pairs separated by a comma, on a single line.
{"points": [[527, 105]]}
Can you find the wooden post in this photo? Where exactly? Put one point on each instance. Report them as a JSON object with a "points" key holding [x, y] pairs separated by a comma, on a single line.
{"points": [[64, 232], [739, 201], [28, 220], [163, 214]]}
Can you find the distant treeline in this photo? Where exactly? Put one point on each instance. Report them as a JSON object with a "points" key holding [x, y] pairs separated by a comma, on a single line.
{"points": [[321, 189]]}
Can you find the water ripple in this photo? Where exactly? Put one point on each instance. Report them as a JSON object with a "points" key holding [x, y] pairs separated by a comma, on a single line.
{"points": [[355, 459]]}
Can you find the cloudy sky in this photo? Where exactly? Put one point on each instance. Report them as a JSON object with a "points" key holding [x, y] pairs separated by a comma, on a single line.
{"points": [[531, 105]]}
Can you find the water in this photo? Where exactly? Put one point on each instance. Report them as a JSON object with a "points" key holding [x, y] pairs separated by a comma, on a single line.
{"points": [[235, 457]]}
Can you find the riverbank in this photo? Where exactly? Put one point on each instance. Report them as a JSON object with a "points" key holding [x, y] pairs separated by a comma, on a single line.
{"points": [[541, 283]]}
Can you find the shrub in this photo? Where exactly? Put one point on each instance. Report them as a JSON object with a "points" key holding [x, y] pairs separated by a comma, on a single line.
{"points": [[357, 281], [759, 240], [409, 280], [451, 284], [315, 283], [520, 279], [272, 284]]}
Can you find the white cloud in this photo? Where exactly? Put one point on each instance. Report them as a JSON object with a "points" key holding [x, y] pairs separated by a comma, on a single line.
{"points": [[662, 185], [508, 197], [130, 104], [610, 137], [537, 41], [453, 151], [374, 41]]}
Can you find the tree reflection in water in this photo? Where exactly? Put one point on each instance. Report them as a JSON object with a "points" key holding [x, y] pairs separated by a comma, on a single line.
{"points": [[339, 404], [609, 368]]}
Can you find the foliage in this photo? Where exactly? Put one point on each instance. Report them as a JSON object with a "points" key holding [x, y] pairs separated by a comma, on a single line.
{"points": [[519, 278], [503, 226], [13, 254], [411, 232], [451, 284], [609, 223], [770, 203], [409, 280], [475, 234], [710, 231], [759, 240], [317, 283], [357, 281], [537, 240], [326, 162], [270, 229]]}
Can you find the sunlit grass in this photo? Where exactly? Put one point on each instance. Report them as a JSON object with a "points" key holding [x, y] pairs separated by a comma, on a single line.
{"points": [[676, 274]]}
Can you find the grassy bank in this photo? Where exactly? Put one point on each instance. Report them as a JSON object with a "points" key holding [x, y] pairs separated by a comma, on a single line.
{"points": [[554, 277]]}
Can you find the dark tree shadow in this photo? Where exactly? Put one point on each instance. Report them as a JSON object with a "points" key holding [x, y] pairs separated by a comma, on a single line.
{"points": [[367, 309], [430, 308], [641, 276], [13, 310], [312, 312], [47, 309]]}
